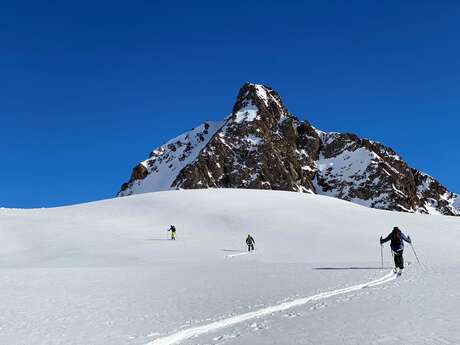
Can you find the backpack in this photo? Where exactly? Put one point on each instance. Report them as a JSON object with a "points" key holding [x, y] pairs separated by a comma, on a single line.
{"points": [[397, 237]]}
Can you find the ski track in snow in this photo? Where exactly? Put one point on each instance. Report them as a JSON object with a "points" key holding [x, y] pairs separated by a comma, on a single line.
{"points": [[199, 330], [239, 254]]}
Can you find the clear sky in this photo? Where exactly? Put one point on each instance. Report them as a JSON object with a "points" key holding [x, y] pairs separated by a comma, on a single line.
{"points": [[89, 88]]}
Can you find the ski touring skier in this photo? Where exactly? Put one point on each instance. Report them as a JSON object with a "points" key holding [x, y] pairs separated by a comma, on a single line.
{"points": [[173, 232], [250, 242], [397, 238]]}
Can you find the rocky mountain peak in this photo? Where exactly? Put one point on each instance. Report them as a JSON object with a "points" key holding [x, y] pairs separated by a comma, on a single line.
{"points": [[256, 102], [260, 145]]}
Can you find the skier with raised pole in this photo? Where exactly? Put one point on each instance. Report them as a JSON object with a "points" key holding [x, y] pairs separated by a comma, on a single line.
{"points": [[250, 242], [397, 238], [173, 232]]}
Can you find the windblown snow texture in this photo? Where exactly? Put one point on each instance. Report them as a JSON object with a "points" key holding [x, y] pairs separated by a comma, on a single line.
{"points": [[261, 145]]}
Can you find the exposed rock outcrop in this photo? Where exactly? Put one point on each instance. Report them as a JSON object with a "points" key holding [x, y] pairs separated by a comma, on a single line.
{"points": [[261, 145]]}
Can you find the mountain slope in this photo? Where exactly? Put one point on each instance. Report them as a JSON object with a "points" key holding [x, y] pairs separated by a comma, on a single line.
{"points": [[103, 273], [160, 170], [261, 145]]}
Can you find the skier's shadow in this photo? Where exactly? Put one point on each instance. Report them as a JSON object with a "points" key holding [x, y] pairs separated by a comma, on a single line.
{"points": [[234, 250], [157, 239], [350, 268]]}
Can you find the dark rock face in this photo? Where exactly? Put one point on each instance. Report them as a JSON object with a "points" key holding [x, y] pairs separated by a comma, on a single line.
{"points": [[258, 147], [262, 146], [139, 173]]}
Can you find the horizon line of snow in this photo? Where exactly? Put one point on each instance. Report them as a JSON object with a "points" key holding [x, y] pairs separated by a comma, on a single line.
{"points": [[199, 330]]}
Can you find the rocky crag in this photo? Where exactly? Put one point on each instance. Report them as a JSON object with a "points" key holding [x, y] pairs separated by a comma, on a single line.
{"points": [[261, 145]]}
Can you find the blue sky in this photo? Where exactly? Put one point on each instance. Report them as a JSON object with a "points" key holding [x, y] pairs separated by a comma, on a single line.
{"points": [[87, 89]]}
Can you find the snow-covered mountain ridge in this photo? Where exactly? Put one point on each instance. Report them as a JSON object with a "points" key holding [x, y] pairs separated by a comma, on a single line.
{"points": [[261, 145]]}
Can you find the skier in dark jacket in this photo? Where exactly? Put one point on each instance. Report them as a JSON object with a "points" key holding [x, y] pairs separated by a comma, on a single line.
{"points": [[397, 239], [250, 242]]}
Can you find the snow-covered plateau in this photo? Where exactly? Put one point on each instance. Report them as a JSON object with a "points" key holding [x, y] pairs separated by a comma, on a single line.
{"points": [[105, 273]]}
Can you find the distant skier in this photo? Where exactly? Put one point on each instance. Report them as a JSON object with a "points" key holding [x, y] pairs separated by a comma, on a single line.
{"points": [[173, 232], [250, 242], [397, 238]]}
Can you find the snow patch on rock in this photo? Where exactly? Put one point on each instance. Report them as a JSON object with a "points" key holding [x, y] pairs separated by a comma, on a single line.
{"points": [[348, 166], [247, 113]]}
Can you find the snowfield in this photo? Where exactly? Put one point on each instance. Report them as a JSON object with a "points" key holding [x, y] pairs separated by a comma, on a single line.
{"points": [[105, 273]]}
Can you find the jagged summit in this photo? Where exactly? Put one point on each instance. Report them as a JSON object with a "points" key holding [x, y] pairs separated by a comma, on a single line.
{"points": [[260, 145], [255, 97]]}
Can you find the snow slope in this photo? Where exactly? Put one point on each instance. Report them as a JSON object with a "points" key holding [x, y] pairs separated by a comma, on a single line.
{"points": [[167, 161], [104, 273]]}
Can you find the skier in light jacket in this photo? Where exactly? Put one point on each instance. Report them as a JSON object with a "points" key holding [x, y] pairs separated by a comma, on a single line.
{"points": [[173, 232]]}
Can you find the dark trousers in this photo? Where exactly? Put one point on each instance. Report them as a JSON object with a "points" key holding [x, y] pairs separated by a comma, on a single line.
{"points": [[399, 260], [250, 247]]}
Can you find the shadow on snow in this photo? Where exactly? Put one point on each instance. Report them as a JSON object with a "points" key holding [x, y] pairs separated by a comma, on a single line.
{"points": [[350, 268], [157, 239]]}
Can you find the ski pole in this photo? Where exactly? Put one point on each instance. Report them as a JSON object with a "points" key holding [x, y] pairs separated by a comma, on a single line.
{"points": [[413, 249], [381, 254]]}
